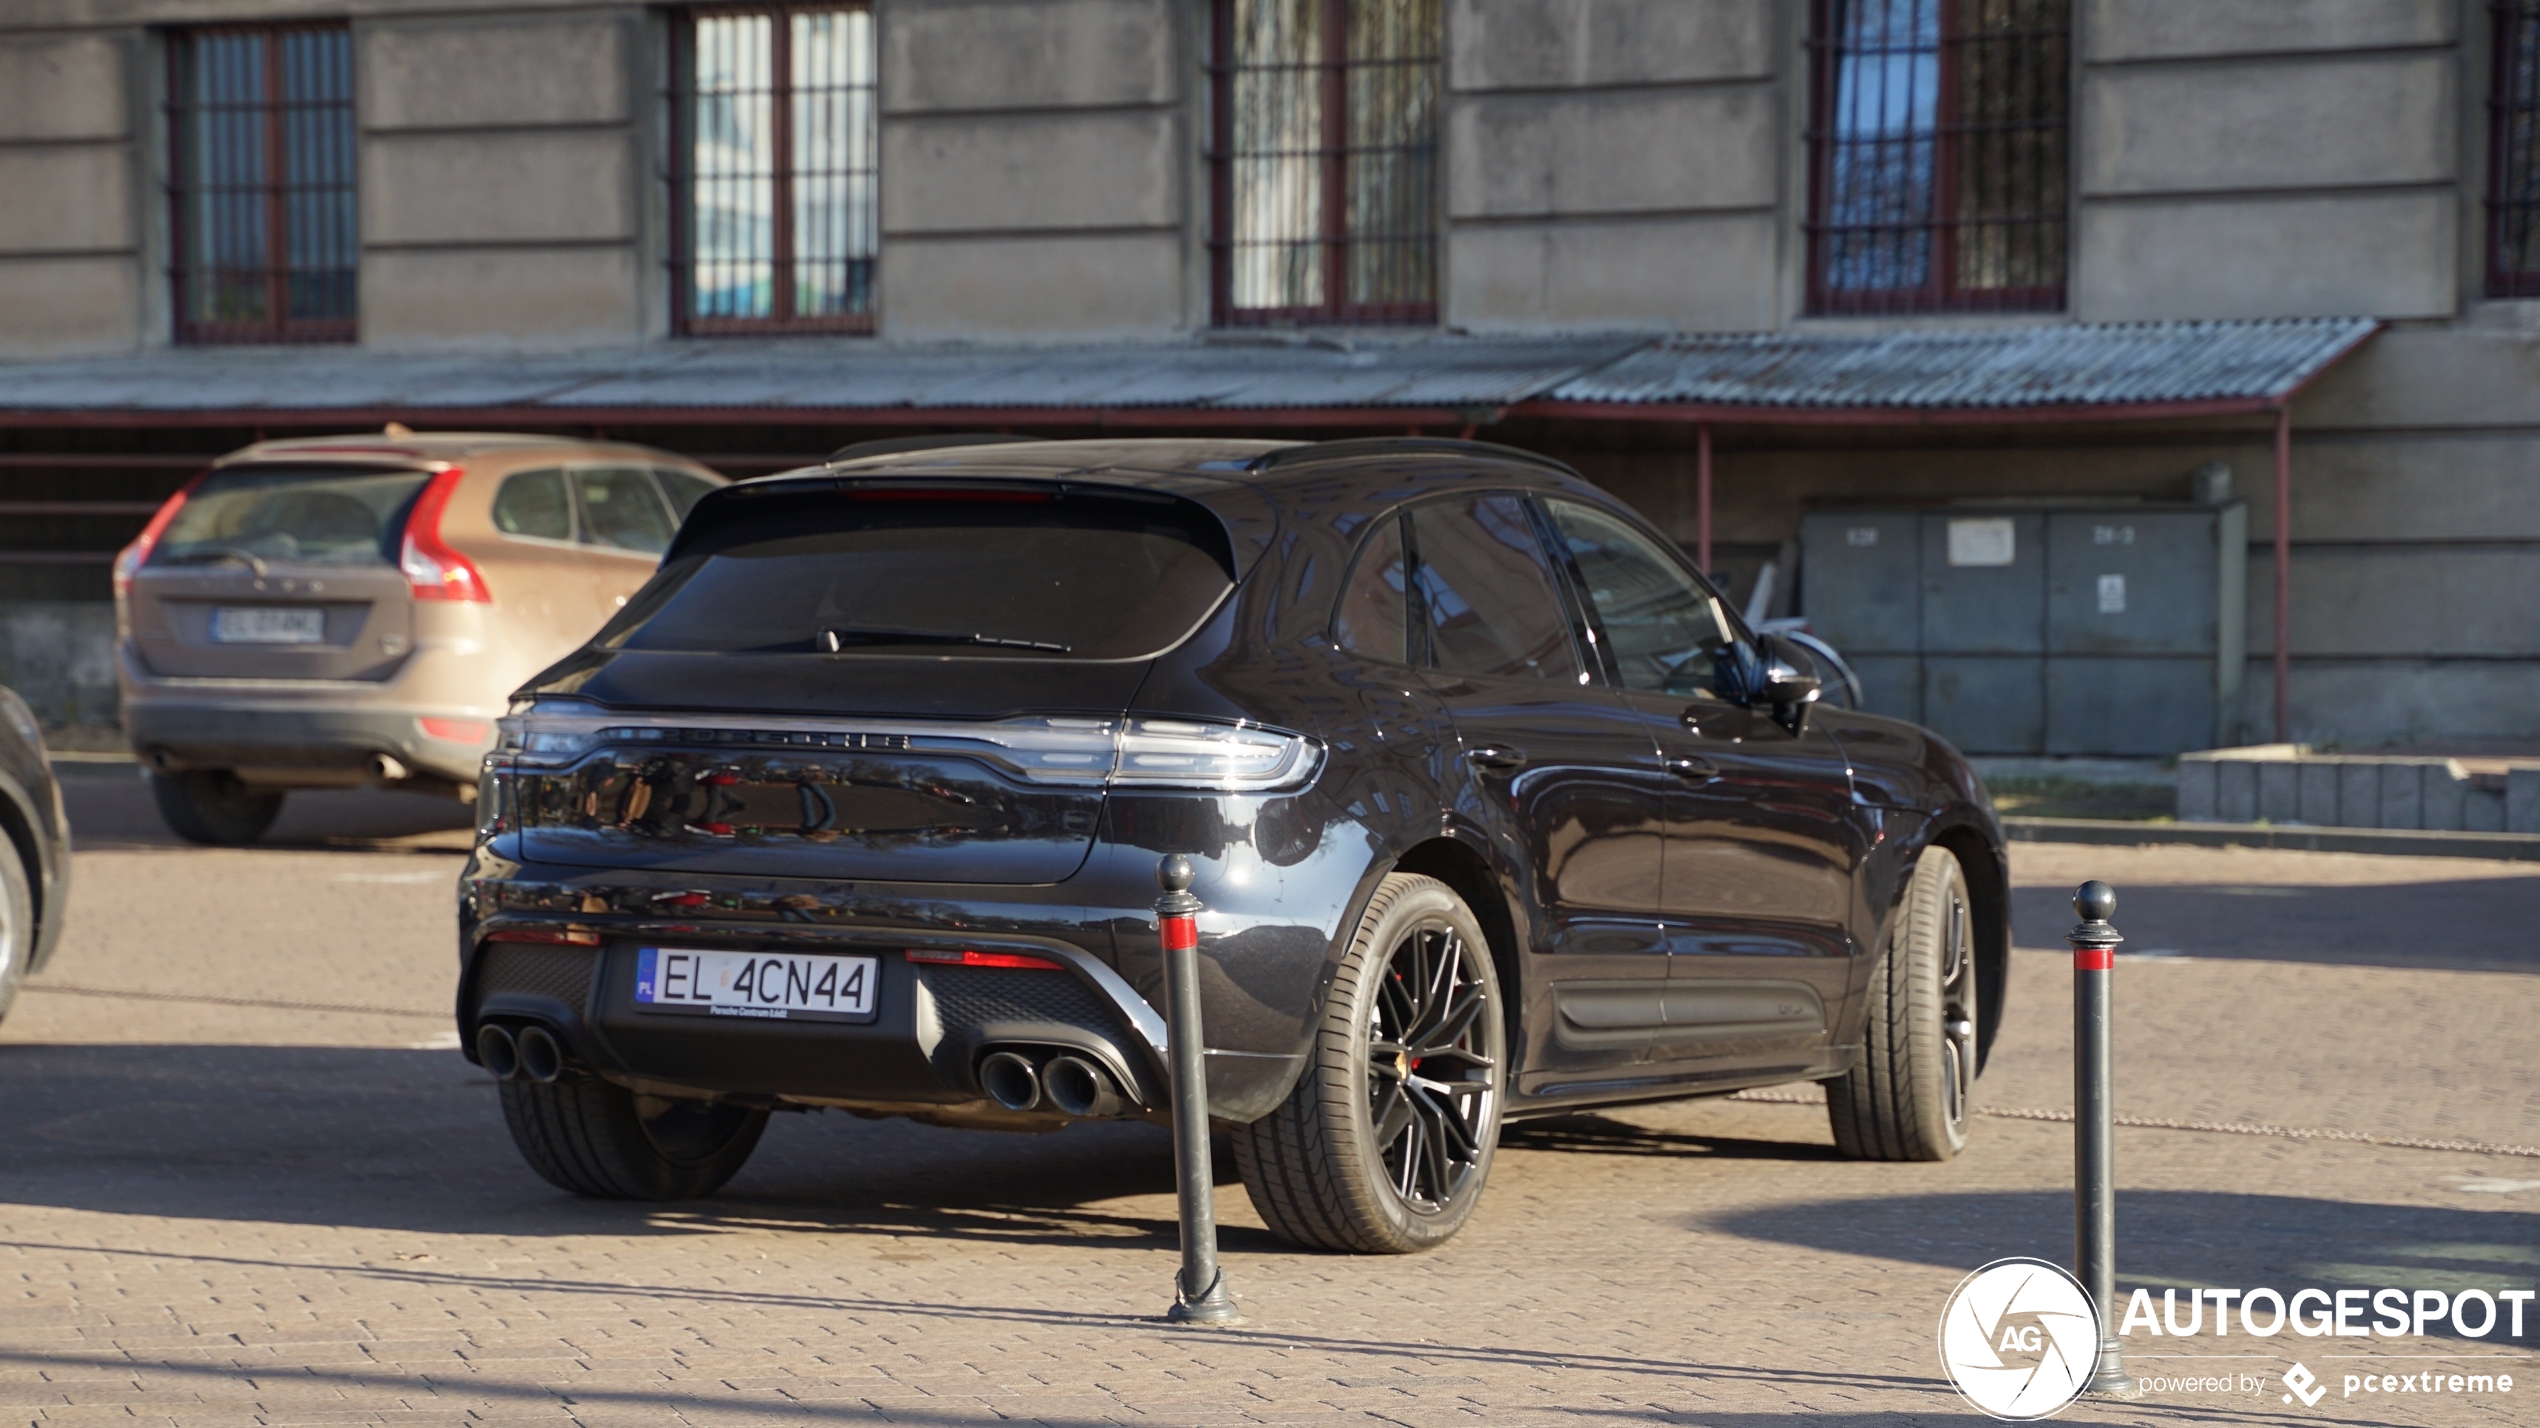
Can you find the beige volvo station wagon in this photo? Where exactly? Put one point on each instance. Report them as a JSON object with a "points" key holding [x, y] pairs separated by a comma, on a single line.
{"points": [[339, 612]]}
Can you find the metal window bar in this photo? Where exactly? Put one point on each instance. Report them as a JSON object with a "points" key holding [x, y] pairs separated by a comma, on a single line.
{"points": [[1939, 149], [262, 212], [1323, 161], [773, 171], [2513, 152]]}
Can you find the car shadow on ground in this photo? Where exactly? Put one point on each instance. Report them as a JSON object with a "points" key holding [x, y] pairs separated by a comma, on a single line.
{"points": [[2185, 1238], [110, 808], [415, 1140], [1601, 1135], [2476, 925]]}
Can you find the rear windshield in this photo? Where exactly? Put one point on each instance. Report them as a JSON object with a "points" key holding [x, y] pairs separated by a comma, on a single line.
{"points": [[292, 515], [985, 574]]}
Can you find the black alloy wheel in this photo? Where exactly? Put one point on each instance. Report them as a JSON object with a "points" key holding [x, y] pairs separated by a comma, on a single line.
{"points": [[1387, 1140], [1912, 1094], [1431, 1088]]}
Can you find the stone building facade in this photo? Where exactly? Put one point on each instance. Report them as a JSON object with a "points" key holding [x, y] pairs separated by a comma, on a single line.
{"points": [[535, 176]]}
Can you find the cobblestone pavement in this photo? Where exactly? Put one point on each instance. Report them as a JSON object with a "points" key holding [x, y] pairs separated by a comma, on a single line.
{"points": [[239, 1184]]}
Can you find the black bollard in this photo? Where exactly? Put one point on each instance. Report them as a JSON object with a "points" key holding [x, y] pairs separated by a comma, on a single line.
{"points": [[1199, 1292], [2095, 1128]]}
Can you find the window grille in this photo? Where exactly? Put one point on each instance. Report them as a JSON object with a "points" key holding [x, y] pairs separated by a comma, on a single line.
{"points": [[2513, 153], [1323, 161], [773, 170], [1939, 151], [262, 209]]}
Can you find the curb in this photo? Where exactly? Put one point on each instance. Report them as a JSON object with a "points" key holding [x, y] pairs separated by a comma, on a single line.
{"points": [[2508, 847]]}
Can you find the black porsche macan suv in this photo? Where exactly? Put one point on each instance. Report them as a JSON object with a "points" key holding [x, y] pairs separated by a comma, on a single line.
{"points": [[1498, 812]]}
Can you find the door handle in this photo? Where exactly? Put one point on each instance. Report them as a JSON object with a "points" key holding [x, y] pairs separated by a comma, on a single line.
{"points": [[1497, 756], [1691, 768]]}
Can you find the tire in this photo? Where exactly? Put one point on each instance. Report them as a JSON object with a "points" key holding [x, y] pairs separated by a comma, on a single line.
{"points": [[212, 807], [1914, 1089], [593, 1138], [1363, 1155], [17, 924]]}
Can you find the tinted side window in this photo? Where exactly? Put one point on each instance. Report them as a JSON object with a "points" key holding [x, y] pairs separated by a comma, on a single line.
{"points": [[534, 503], [682, 490], [1375, 611], [1487, 593], [1663, 628], [621, 508]]}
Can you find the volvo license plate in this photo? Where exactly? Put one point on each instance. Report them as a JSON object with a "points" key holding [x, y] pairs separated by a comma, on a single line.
{"points": [[777, 986], [264, 625]]}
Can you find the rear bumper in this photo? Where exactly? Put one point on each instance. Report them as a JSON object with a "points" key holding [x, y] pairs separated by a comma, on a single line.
{"points": [[294, 742], [1262, 982]]}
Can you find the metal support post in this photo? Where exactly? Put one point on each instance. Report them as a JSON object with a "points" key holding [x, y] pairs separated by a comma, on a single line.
{"points": [[2095, 1128], [1199, 1293]]}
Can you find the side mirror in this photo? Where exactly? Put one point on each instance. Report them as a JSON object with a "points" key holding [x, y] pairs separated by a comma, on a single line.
{"points": [[1786, 682]]}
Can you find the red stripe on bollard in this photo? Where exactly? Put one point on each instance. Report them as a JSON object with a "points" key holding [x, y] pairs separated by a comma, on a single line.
{"points": [[1180, 934], [2094, 959]]}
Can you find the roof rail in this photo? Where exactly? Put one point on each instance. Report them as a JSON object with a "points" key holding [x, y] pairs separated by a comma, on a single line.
{"points": [[901, 445], [1401, 446]]}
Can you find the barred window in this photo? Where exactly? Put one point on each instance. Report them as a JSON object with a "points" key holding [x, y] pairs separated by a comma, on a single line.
{"points": [[776, 221], [262, 213], [1323, 161], [1939, 155], [2513, 153]]}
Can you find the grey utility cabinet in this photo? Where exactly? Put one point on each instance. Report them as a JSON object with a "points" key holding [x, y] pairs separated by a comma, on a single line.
{"points": [[2040, 628]]}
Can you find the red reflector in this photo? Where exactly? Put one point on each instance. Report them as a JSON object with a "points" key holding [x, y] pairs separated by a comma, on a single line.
{"points": [[552, 936], [966, 957], [456, 731], [1007, 497]]}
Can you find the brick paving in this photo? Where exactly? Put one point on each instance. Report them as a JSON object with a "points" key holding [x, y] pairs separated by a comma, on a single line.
{"points": [[245, 1212]]}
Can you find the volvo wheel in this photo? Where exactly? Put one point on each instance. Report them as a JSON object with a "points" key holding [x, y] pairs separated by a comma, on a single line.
{"points": [[1385, 1143], [1911, 1094]]}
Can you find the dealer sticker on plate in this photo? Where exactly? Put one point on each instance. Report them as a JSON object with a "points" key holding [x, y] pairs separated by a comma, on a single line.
{"points": [[780, 986]]}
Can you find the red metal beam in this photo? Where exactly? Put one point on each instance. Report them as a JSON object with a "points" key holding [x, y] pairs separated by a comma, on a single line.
{"points": [[1702, 497], [1713, 415], [2284, 573]]}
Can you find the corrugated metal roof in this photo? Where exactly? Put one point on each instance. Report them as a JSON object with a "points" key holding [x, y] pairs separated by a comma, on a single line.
{"points": [[2049, 366], [2057, 366], [1213, 375]]}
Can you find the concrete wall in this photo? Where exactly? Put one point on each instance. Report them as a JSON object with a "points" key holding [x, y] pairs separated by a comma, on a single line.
{"points": [[1613, 163], [1035, 168], [70, 225], [502, 179], [2270, 158]]}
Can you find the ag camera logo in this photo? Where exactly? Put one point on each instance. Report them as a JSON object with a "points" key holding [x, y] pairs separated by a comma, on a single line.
{"points": [[2019, 1338]]}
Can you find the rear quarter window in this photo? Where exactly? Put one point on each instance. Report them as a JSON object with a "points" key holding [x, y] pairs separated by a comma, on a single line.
{"points": [[968, 575]]}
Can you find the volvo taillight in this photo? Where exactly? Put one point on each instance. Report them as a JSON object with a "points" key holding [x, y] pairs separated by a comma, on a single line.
{"points": [[435, 570], [129, 559]]}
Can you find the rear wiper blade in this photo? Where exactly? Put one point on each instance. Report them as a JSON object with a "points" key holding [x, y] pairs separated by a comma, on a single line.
{"points": [[834, 640], [205, 555]]}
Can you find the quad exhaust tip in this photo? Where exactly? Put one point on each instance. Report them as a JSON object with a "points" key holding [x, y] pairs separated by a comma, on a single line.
{"points": [[497, 1051], [541, 1057], [529, 1054], [1012, 1080], [1079, 1087]]}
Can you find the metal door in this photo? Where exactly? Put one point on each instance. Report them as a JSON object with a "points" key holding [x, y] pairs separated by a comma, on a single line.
{"points": [[1984, 629]]}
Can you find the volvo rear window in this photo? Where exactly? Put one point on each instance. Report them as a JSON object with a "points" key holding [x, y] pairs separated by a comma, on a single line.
{"points": [[292, 515], [975, 573]]}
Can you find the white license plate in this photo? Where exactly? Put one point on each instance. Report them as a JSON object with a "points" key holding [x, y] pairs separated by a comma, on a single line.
{"points": [[252, 625], [779, 986]]}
